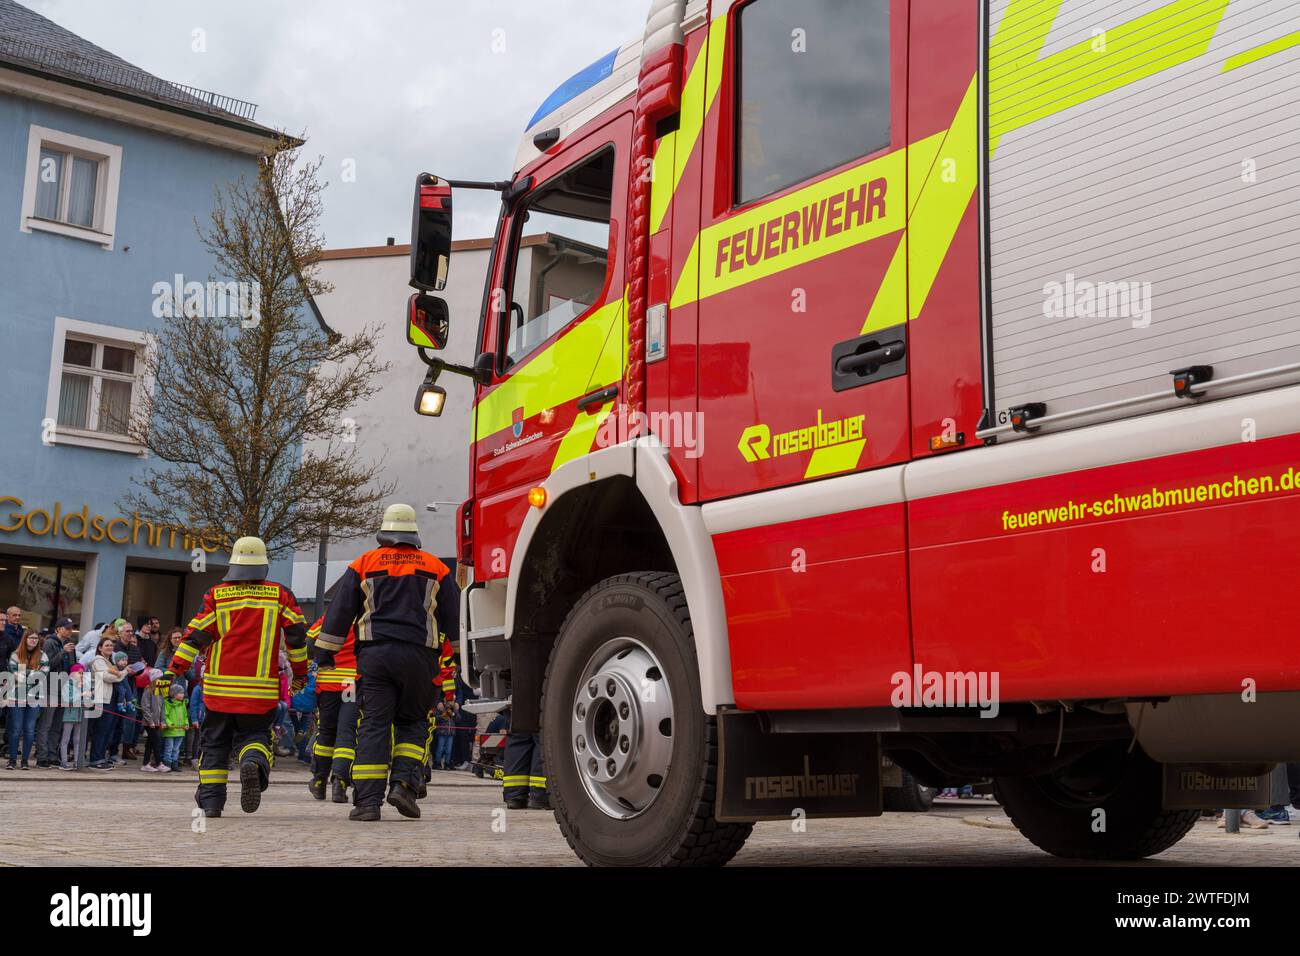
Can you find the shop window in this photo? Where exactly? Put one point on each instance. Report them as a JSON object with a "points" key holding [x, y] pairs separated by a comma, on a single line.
{"points": [[44, 591], [148, 593]]}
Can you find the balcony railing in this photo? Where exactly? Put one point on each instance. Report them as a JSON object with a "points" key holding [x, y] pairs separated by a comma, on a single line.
{"points": [[121, 77]]}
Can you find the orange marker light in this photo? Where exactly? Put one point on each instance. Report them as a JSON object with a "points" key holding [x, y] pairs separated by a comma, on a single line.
{"points": [[537, 497]]}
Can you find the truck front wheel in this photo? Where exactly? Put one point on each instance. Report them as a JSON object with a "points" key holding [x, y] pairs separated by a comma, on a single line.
{"points": [[631, 757], [1104, 806]]}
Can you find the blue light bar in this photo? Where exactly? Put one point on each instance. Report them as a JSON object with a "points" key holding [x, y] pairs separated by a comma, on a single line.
{"points": [[575, 86]]}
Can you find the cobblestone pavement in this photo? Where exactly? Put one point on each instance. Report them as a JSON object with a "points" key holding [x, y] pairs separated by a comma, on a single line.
{"points": [[53, 818]]}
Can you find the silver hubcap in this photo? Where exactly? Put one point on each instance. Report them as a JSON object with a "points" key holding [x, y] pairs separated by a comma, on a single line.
{"points": [[622, 728]]}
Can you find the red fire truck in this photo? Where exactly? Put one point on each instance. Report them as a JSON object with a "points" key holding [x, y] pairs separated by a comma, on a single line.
{"points": [[914, 378]]}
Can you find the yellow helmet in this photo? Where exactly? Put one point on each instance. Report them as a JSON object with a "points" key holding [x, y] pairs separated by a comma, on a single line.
{"points": [[248, 560], [399, 526]]}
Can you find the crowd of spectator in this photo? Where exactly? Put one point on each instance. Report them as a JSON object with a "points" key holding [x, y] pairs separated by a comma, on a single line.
{"points": [[113, 710]]}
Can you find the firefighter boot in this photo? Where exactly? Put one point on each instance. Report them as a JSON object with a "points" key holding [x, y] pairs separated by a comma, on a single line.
{"points": [[539, 800], [364, 814], [250, 787], [403, 796], [316, 786], [340, 794], [211, 812], [516, 803]]}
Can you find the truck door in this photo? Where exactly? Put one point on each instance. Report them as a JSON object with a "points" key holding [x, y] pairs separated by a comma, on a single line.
{"points": [[555, 319], [802, 216], [803, 367]]}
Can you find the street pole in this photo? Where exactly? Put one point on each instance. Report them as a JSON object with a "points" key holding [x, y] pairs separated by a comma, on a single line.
{"points": [[321, 558]]}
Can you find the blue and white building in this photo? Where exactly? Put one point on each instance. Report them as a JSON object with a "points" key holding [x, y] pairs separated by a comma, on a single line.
{"points": [[104, 173]]}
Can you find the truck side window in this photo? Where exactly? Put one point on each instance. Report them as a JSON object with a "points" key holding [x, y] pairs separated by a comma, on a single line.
{"points": [[813, 89], [561, 255]]}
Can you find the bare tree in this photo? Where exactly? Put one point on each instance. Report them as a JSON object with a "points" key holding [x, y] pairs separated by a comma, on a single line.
{"points": [[245, 377]]}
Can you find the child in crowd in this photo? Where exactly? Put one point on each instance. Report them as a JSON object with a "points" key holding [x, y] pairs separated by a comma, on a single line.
{"points": [[175, 724], [74, 719], [446, 721], [153, 701], [197, 711]]}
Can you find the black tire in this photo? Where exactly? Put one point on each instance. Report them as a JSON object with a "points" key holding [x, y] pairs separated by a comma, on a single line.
{"points": [[678, 828], [911, 797], [1056, 812]]}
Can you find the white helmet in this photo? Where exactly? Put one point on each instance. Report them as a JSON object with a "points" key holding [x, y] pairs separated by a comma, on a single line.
{"points": [[399, 526], [248, 561]]}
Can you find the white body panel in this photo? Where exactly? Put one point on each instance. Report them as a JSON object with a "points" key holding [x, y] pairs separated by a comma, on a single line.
{"points": [[1179, 191]]}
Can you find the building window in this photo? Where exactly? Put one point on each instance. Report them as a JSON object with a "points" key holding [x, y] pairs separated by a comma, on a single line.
{"points": [[96, 383], [813, 90], [71, 186]]}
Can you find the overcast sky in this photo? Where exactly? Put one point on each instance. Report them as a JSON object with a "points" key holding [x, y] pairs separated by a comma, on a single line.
{"points": [[395, 86]]}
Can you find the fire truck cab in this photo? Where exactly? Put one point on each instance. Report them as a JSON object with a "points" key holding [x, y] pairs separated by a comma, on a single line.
{"points": [[910, 378]]}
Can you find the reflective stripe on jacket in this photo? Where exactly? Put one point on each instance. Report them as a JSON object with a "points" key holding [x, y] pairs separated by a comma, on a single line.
{"points": [[388, 594], [241, 624]]}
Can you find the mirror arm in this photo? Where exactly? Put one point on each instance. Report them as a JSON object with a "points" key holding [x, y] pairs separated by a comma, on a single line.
{"points": [[437, 366]]}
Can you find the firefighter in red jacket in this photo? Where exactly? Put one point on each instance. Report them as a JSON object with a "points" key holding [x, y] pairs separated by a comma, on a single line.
{"points": [[336, 725], [240, 627], [390, 597]]}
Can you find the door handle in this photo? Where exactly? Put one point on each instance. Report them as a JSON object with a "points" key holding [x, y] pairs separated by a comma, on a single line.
{"points": [[874, 358], [869, 358], [598, 397]]}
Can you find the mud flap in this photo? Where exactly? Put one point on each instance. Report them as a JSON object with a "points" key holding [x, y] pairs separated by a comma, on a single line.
{"points": [[1200, 786], [778, 776]]}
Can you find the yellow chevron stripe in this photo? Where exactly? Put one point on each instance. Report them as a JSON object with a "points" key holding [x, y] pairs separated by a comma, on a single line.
{"points": [[559, 373], [699, 93]]}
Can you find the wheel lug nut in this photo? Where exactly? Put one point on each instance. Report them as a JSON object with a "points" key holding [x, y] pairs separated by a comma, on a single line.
{"points": [[582, 711], [611, 767], [593, 689], [592, 767], [624, 710], [610, 687], [582, 742], [624, 744]]}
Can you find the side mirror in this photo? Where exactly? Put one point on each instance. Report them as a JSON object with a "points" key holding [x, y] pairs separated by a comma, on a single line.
{"points": [[427, 321], [431, 233]]}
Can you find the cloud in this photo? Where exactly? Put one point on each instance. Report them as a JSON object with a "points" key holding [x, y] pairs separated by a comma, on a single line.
{"points": [[396, 87]]}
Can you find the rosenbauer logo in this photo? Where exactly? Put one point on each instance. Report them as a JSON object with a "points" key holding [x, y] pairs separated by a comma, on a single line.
{"points": [[757, 443], [806, 784]]}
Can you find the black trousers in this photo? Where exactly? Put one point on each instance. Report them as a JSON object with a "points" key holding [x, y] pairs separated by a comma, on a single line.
{"points": [[522, 765], [397, 692], [336, 735], [152, 746], [245, 736]]}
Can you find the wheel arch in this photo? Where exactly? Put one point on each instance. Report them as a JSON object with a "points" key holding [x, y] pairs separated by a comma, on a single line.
{"points": [[557, 555]]}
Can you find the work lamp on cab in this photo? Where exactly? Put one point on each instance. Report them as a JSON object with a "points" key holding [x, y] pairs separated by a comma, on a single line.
{"points": [[430, 398]]}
